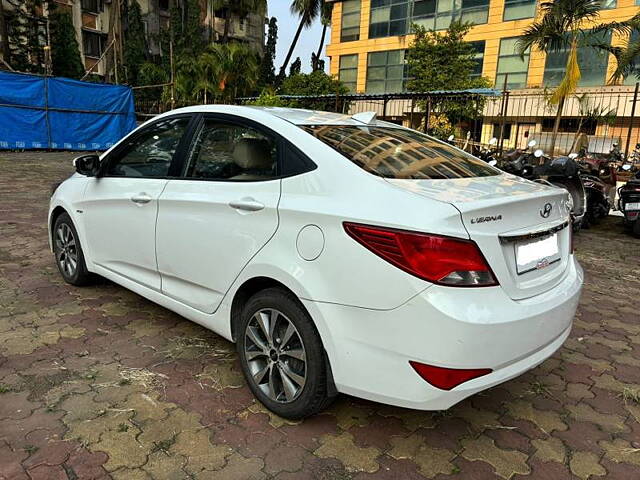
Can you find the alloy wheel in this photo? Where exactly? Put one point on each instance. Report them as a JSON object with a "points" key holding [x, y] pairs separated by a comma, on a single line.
{"points": [[275, 355], [66, 249]]}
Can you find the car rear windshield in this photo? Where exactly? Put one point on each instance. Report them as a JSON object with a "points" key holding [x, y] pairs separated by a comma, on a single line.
{"points": [[399, 153]]}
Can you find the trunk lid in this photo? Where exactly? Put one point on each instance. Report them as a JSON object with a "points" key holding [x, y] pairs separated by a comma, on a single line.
{"points": [[505, 215]]}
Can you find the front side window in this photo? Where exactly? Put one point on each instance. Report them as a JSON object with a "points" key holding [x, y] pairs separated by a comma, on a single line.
{"points": [[350, 21], [593, 63], [348, 73], [511, 66], [400, 153], [227, 151], [149, 154], [517, 9], [387, 72]]}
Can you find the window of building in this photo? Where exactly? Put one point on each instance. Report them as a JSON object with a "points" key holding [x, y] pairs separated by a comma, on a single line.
{"points": [[511, 66], [163, 4], [350, 21], [478, 58], [394, 17], [93, 6], [593, 63], [516, 9], [92, 43], [389, 18], [349, 71], [608, 4], [507, 130], [387, 72]]}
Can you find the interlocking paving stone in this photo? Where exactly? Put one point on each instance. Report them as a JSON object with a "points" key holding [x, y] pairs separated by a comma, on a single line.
{"points": [[98, 383]]}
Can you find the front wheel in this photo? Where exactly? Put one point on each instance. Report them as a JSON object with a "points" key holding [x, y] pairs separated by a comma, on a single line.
{"points": [[68, 252], [282, 356]]}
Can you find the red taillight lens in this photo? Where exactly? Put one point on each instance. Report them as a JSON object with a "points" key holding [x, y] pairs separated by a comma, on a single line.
{"points": [[443, 260], [447, 378]]}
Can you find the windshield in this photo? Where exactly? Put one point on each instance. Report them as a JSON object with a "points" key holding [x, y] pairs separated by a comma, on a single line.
{"points": [[400, 153]]}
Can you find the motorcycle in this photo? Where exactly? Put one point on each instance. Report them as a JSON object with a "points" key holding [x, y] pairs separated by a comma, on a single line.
{"points": [[629, 202], [596, 177], [489, 154], [521, 162]]}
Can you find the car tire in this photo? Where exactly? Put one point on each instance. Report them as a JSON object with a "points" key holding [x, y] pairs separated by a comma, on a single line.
{"points": [[284, 364], [68, 252]]}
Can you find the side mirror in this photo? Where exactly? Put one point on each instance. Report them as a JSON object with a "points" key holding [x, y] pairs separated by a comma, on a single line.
{"points": [[493, 141], [87, 165], [532, 143], [451, 137], [626, 167], [573, 156], [538, 153], [493, 162]]}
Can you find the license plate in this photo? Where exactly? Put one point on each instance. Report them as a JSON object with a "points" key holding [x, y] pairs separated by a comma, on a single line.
{"points": [[537, 254], [632, 206]]}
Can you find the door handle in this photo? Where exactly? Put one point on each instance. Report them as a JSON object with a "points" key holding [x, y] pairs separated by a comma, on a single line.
{"points": [[247, 204], [141, 198]]}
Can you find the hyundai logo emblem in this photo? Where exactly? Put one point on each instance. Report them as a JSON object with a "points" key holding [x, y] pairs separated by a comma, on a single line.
{"points": [[546, 210]]}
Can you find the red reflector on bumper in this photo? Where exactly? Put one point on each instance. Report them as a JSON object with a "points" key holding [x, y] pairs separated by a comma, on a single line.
{"points": [[447, 378]]}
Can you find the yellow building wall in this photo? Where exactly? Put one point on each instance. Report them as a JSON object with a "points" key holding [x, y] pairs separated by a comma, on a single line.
{"points": [[491, 32]]}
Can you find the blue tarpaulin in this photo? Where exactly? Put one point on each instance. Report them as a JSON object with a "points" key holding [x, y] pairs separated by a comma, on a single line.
{"points": [[60, 113]]}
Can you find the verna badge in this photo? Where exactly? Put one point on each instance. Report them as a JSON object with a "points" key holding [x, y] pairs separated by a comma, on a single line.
{"points": [[546, 210]]}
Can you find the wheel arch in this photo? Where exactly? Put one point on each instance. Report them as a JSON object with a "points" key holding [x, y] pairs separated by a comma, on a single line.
{"points": [[55, 213]]}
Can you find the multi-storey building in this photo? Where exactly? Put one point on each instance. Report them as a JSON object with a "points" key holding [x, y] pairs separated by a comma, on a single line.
{"points": [[369, 39], [96, 21]]}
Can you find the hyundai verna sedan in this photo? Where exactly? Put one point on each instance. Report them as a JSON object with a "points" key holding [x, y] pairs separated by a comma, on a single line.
{"points": [[340, 253]]}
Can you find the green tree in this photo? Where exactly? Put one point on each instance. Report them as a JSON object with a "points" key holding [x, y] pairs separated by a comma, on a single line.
{"points": [[314, 84], [25, 36], [295, 67], [442, 60], [566, 26], [267, 68], [65, 51], [308, 11], [325, 18], [135, 44]]}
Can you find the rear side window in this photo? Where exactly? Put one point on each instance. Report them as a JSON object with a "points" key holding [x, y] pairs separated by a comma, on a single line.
{"points": [[399, 153]]}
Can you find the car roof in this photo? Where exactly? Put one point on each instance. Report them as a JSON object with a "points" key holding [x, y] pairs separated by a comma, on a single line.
{"points": [[296, 116]]}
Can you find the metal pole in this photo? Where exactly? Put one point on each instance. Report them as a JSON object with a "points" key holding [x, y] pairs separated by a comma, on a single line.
{"points": [[505, 97], [384, 106], [427, 115], [633, 114]]}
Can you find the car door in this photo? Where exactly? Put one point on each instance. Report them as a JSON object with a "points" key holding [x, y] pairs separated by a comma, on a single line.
{"points": [[121, 204], [218, 216]]}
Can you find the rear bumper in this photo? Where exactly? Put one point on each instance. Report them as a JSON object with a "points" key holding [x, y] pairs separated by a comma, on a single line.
{"points": [[369, 350]]}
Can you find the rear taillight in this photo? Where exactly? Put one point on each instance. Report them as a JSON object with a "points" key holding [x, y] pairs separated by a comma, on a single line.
{"points": [[443, 260], [447, 378]]}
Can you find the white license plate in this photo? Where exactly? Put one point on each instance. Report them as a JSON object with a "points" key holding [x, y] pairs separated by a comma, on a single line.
{"points": [[537, 254], [632, 206]]}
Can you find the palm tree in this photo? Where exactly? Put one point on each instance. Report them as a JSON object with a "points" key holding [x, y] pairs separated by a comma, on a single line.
{"points": [[234, 64], [308, 11], [325, 18], [569, 25]]}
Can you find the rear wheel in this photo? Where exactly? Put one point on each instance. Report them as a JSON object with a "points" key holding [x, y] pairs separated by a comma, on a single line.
{"points": [[282, 356], [68, 252]]}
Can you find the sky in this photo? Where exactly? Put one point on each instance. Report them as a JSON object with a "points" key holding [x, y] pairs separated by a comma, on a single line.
{"points": [[287, 26]]}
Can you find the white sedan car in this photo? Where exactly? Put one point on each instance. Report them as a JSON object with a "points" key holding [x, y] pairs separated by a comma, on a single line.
{"points": [[340, 253]]}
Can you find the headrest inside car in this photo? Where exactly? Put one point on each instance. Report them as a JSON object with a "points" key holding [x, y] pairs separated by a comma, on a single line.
{"points": [[253, 153]]}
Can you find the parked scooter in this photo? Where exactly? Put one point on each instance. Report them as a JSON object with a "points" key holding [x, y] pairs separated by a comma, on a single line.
{"points": [[489, 154], [563, 172], [595, 178], [629, 202], [521, 162]]}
